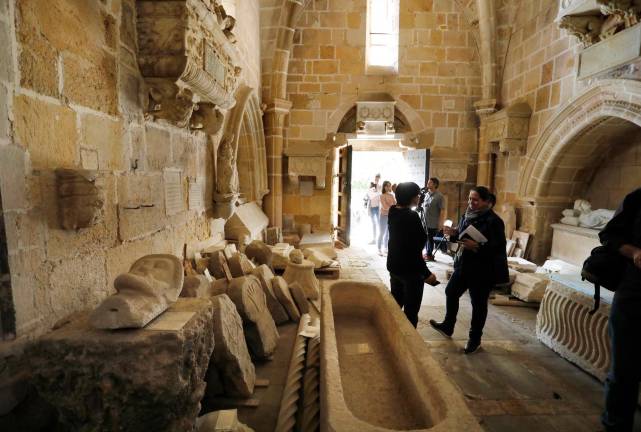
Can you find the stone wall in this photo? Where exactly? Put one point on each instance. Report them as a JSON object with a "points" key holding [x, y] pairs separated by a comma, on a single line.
{"points": [[438, 81], [71, 96], [618, 175]]}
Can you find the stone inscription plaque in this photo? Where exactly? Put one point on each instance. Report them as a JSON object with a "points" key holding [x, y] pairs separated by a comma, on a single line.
{"points": [[173, 192]]}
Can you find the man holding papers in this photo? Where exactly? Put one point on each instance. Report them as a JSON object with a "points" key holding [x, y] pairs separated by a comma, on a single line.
{"points": [[481, 235]]}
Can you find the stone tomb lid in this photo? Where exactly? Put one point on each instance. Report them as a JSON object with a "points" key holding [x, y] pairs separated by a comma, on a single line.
{"points": [[573, 281]]}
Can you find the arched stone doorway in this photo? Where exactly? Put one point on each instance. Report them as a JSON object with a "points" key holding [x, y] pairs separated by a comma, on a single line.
{"points": [[571, 150]]}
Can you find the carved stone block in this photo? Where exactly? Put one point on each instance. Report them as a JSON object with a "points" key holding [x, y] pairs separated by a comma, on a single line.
{"points": [[248, 221], [303, 273], [80, 198], [265, 276], [509, 128], [284, 296], [530, 287], [231, 357], [260, 330], [102, 380]]}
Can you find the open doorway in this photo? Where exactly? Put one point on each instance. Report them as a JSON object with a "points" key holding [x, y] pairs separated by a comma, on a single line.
{"points": [[394, 164]]}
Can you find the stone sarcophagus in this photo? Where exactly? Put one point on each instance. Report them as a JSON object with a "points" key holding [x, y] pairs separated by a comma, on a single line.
{"points": [[565, 325], [377, 373], [187, 57]]}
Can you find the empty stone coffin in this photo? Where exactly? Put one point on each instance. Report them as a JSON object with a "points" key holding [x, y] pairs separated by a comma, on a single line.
{"points": [[377, 373], [149, 379]]}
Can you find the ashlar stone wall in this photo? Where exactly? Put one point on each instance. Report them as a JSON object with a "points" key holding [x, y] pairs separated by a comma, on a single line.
{"points": [[71, 96], [437, 83]]}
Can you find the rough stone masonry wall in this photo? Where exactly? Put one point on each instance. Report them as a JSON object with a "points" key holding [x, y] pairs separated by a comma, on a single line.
{"points": [[438, 80], [536, 64], [71, 96]]}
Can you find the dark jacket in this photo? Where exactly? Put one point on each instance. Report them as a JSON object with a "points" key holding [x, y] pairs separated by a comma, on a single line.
{"points": [[625, 228], [406, 241], [489, 264]]}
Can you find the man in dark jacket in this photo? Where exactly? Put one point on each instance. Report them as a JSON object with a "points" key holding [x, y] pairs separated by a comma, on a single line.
{"points": [[622, 235], [476, 267], [408, 271]]}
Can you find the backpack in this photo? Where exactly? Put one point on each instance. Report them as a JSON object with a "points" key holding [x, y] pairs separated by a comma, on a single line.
{"points": [[603, 268]]}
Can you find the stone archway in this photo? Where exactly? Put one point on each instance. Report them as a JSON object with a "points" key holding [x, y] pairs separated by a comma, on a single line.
{"points": [[568, 152], [246, 125]]}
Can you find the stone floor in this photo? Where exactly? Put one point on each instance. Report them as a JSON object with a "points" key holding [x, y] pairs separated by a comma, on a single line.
{"points": [[514, 379]]}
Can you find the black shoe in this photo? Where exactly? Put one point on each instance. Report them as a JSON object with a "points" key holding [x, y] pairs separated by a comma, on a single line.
{"points": [[442, 328], [472, 346]]}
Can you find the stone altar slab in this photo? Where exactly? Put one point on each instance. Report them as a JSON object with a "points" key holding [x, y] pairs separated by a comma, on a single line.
{"points": [[133, 380]]}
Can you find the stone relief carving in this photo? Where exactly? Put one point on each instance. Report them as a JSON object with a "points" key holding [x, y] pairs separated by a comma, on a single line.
{"points": [[592, 21], [186, 56], [152, 285], [509, 127], [81, 199], [314, 166], [227, 173]]}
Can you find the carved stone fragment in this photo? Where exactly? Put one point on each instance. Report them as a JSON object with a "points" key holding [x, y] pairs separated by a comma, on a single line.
{"points": [[81, 199], [530, 287], [265, 276], [196, 286], [260, 253], [260, 330], [299, 297], [151, 286], [231, 356], [303, 274], [221, 421], [218, 266], [282, 293], [240, 265]]}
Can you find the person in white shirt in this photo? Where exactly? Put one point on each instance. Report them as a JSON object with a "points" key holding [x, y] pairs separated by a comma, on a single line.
{"points": [[373, 198]]}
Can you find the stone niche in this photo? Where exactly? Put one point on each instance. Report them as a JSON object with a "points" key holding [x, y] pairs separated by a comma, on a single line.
{"points": [[608, 31], [509, 128], [187, 58]]}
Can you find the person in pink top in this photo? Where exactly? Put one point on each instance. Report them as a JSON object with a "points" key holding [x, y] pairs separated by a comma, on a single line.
{"points": [[387, 199]]}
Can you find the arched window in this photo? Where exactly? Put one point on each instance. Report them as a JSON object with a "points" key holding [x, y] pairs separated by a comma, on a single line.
{"points": [[382, 37]]}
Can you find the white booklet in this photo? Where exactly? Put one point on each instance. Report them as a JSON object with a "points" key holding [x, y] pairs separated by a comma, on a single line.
{"points": [[474, 234]]}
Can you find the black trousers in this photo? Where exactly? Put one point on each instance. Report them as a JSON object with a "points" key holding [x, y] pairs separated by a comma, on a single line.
{"points": [[407, 290], [429, 245], [622, 383], [479, 294]]}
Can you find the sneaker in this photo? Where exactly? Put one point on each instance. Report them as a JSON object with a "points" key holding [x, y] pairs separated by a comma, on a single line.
{"points": [[380, 253], [442, 328], [372, 242], [472, 346]]}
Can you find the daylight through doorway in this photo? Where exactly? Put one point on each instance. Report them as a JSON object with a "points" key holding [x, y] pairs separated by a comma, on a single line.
{"points": [[393, 166]]}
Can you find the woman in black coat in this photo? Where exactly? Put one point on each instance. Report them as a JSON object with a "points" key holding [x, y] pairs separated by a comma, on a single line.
{"points": [[478, 266], [405, 264]]}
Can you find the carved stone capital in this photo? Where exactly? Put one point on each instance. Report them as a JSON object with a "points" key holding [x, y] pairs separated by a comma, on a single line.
{"points": [[485, 107]]}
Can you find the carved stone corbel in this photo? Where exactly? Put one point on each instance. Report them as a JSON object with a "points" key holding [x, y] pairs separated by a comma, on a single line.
{"points": [[80, 198], [186, 57]]}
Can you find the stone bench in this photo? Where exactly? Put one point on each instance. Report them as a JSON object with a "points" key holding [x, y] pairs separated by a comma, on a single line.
{"points": [[564, 324]]}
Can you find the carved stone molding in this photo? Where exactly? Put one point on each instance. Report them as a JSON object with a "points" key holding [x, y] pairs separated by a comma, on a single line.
{"points": [[81, 198], [375, 117], [448, 165], [186, 56], [509, 128]]}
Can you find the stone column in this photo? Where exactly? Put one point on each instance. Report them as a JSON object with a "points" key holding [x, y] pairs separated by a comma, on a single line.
{"points": [[484, 108], [274, 127]]}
